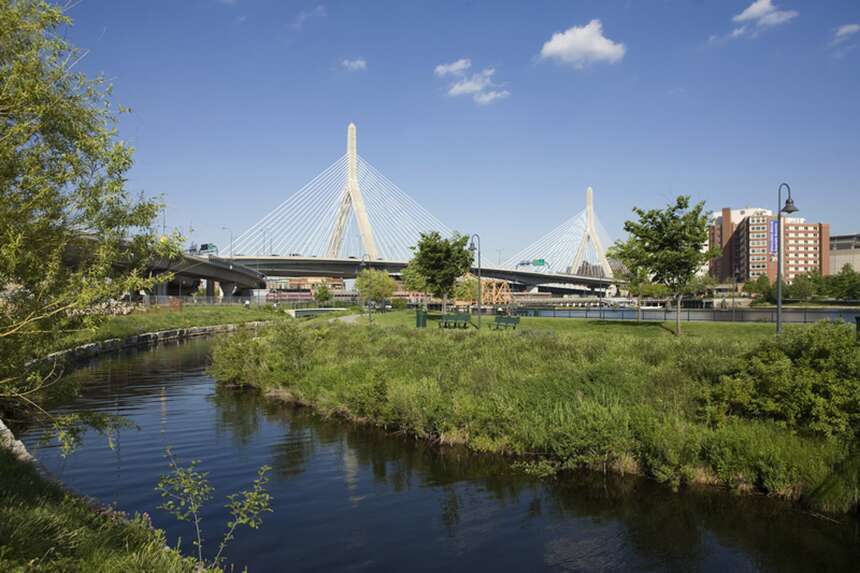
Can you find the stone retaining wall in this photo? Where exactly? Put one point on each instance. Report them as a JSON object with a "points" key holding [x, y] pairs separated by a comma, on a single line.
{"points": [[92, 349]]}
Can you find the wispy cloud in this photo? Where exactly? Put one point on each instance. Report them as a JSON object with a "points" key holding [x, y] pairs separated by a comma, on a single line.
{"points": [[357, 65], [842, 41], [454, 68], [581, 46], [844, 33], [479, 85], [758, 16], [304, 16]]}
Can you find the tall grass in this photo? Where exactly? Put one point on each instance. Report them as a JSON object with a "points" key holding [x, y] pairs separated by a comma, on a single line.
{"points": [[45, 528], [565, 400]]}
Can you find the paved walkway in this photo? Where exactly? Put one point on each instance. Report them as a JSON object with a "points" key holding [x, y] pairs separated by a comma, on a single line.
{"points": [[349, 318]]}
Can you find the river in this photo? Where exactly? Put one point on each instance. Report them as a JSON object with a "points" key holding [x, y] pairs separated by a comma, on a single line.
{"points": [[349, 498]]}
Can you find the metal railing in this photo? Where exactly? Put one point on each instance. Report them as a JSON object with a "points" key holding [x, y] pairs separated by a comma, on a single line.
{"points": [[796, 316]]}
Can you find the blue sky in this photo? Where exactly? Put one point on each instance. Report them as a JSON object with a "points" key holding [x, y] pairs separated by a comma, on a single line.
{"points": [[236, 104]]}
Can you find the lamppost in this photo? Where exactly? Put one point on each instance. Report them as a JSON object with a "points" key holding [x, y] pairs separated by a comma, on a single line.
{"points": [[475, 246], [231, 240], [365, 264], [788, 209]]}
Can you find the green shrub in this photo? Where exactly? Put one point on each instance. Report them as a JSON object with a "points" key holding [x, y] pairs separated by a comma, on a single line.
{"points": [[807, 379]]}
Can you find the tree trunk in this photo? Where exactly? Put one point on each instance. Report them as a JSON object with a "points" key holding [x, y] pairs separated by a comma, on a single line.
{"points": [[639, 308], [678, 315]]}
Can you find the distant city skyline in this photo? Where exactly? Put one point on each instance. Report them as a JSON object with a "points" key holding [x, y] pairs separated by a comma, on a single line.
{"points": [[495, 117]]}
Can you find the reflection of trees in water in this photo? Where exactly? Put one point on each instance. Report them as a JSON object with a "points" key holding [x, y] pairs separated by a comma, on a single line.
{"points": [[237, 413], [290, 455], [671, 528], [662, 527]]}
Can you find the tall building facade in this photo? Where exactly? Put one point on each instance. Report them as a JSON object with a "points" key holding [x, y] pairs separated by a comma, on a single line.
{"points": [[844, 250], [749, 238]]}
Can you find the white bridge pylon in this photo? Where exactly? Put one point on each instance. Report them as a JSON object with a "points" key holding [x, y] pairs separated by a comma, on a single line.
{"points": [[576, 247], [315, 221]]}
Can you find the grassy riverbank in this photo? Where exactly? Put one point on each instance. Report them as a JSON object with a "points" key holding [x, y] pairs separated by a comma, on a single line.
{"points": [[43, 527], [727, 405], [162, 318]]}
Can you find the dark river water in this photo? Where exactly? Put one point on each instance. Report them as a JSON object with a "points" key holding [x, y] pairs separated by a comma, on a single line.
{"points": [[348, 498]]}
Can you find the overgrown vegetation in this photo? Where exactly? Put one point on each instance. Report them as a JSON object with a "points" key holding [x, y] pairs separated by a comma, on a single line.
{"points": [[45, 528], [679, 410]]}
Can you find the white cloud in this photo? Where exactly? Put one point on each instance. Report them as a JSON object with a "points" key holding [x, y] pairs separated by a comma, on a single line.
{"points": [[356, 65], [759, 15], [474, 84], [318, 11], [583, 45], [484, 98], [454, 68], [843, 33], [479, 85]]}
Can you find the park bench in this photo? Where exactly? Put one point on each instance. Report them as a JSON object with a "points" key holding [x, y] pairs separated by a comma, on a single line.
{"points": [[503, 321], [458, 320]]}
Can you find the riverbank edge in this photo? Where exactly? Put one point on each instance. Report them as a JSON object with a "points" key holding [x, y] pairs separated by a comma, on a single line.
{"points": [[702, 477], [78, 354]]}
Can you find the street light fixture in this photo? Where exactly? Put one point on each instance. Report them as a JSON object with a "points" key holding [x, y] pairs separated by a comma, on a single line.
{"points": [[365, 264], [475, 246], [231, 240], [788, 209]]}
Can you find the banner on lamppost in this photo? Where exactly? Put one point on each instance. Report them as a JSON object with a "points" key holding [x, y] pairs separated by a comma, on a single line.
{"points": [[774, 237]]}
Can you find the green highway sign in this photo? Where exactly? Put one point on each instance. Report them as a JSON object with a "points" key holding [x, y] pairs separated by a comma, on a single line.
{"points": [[538, 262]]}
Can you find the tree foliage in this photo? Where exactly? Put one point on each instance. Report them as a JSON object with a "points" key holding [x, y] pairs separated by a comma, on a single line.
{"points": [[441, 261], [322, 294], [466, 288], [186, 491], [665, 245], [72, 238], [412, 278], [374, 285]]}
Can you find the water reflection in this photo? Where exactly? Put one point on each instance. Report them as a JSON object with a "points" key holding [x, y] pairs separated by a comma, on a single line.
{"points": [[358, 498]]}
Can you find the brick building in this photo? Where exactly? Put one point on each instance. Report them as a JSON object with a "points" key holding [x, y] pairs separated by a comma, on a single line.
{"points": [[748, 239]]}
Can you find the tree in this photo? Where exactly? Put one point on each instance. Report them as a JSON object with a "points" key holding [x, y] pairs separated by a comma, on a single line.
{"points": [[666, 245], [441, 262], [759, 287], [466, 288], [71, 236], [845, 285], [412, 278], [636, 277], [322, 295], [803, 287], [375, 285]]}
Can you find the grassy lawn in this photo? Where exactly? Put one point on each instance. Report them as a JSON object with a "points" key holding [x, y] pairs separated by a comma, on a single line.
{"points": [[45, 528], [647, 329]]}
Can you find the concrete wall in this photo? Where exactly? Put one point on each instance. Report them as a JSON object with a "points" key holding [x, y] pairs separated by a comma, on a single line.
{"points": [[839, 259]]}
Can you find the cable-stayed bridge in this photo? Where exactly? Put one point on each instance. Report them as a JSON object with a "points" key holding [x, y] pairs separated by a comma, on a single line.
{"points": [[351, 216]]}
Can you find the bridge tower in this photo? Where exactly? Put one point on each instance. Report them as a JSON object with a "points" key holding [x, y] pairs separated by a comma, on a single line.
{"points": [[591, 236], [352, 199]]}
